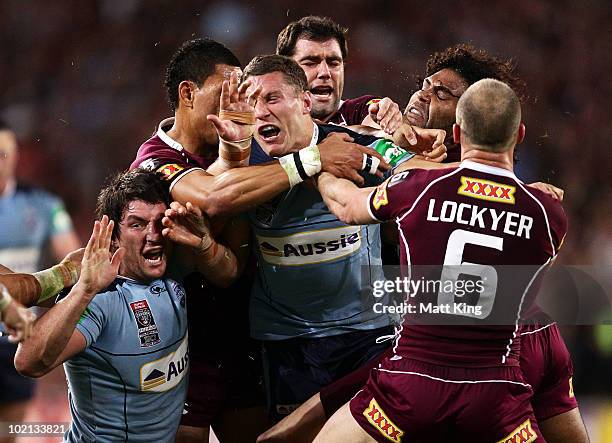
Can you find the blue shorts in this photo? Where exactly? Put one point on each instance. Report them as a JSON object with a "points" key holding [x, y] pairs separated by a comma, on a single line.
{"points": [[296, 369], [13, 387]]}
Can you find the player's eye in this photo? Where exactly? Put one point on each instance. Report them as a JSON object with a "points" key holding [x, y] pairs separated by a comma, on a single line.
{"points": [[308, 63], [443, 94]]}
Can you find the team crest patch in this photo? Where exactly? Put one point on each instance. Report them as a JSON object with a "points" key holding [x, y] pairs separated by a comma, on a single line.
{"points": [[380, 196], [169, 171], [374, 100], [486, 190], [523, 434], [147, 329], [377, 417]]}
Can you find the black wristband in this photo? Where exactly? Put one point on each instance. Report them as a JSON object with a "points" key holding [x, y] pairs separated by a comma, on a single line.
{"points": [[299, 166]]}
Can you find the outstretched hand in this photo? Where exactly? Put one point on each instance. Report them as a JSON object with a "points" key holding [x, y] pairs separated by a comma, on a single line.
{"points": [[185, 225], [17, 319], [99, 267], [234, 100]]}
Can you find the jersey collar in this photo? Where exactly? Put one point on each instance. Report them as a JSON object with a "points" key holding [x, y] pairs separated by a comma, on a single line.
{"points": [[165, 137], [469, 164]]}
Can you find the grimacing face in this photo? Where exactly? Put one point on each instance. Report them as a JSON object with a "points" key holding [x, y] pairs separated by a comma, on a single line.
{"points": [[324, 67], [146, 249], [434, 105], [282, 114], [206, 101]]}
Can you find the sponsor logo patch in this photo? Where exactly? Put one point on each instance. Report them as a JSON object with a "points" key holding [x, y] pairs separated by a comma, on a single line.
{"points": [[374, 100], [523, 434], [310, 247], [167, 372], [377, 417], [380, 197], [169, 171], [486, 190], [147, 329]]}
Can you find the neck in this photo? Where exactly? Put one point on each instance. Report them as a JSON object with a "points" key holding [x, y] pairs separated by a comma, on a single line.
{"points": [[185, 132], [503, 160], [5, 184]]}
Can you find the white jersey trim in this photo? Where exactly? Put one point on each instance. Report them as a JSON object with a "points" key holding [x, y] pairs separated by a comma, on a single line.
{"points": [[451, 381], [539, 329], [165, 137]]}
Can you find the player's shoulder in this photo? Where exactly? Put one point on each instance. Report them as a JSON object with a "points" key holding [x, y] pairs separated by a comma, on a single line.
{"points": [[553, 207], [361, 100], [424, 176], [36, 193], [360, 139]]}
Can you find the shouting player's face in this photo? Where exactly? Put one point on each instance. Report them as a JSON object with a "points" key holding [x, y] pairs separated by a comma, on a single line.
{"points": [[434, 105], [324, 67], [205, 101], [140, 233], [282, 113]]}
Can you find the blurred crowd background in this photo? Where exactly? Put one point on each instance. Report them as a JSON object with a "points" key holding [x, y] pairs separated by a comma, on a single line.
{"points": [[81, 83]]}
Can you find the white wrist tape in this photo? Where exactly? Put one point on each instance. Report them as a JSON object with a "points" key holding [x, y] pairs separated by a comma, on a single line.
{"points": [[302, 164], [370, 163]]}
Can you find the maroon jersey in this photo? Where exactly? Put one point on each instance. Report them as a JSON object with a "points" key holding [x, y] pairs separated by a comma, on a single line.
{"points": [[352, 111], [482, 218], [167, 157]]}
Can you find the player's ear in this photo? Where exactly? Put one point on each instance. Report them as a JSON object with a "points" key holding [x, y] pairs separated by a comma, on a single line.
{"points": [[520, 136], [456, 133], [307, 101], [186, 90]]}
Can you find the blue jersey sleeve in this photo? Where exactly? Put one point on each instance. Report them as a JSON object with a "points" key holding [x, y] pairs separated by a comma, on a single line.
{"points": [[95, 317]]}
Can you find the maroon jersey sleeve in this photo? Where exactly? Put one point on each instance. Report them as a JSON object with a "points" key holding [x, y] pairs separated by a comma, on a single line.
{"points": [[170, 164], [398, 194], [353, 110], [557, 219]]}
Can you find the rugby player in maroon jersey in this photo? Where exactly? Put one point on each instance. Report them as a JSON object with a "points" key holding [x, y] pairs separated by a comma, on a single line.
{"points": [[447, 382], [200, 76], [318, 45], [545, 359]]}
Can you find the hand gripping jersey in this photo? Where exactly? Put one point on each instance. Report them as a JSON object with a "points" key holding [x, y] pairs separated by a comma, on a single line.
{"points": [[314, 272], [473, 215], [352, 111], [130, 382]]}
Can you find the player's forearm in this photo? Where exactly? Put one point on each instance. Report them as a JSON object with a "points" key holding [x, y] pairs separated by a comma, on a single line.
{"points": [[242, 189], [24, 288], [50, 335], [339, 195], [218, 264]]}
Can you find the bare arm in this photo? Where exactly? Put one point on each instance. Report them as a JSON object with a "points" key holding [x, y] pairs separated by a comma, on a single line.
{"points": [[241, 189], [220, 264], [348, 202], [38, 289], [54, 337]]}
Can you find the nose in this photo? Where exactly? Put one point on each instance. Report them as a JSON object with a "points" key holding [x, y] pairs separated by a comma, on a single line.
{"points": [[424, 95], [323, 70], [261, 109], [154, 231]]}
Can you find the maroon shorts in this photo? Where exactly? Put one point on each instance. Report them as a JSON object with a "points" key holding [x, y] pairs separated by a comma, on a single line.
{"points": [[412, 401], [547, 367]]}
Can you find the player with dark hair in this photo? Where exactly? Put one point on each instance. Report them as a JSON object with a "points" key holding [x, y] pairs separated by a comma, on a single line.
{"points": [[442, 376], [319, 46], [122, 329], [223, 386]]}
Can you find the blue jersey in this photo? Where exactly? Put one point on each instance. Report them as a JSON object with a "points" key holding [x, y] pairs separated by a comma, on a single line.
{"points": [[315, 273], [130, 382], [29, 217]]}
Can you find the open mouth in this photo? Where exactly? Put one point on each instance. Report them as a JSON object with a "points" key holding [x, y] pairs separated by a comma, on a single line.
{"points": [[153, 256], [416, 116], [268, 131], [322, 91]]}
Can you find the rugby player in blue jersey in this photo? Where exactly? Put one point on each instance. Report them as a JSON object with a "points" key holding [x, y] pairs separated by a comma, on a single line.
{"points": [[122, 329]]}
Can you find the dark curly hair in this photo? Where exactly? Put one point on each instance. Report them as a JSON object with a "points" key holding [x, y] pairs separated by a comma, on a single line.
{"points": [[476, 64]]}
